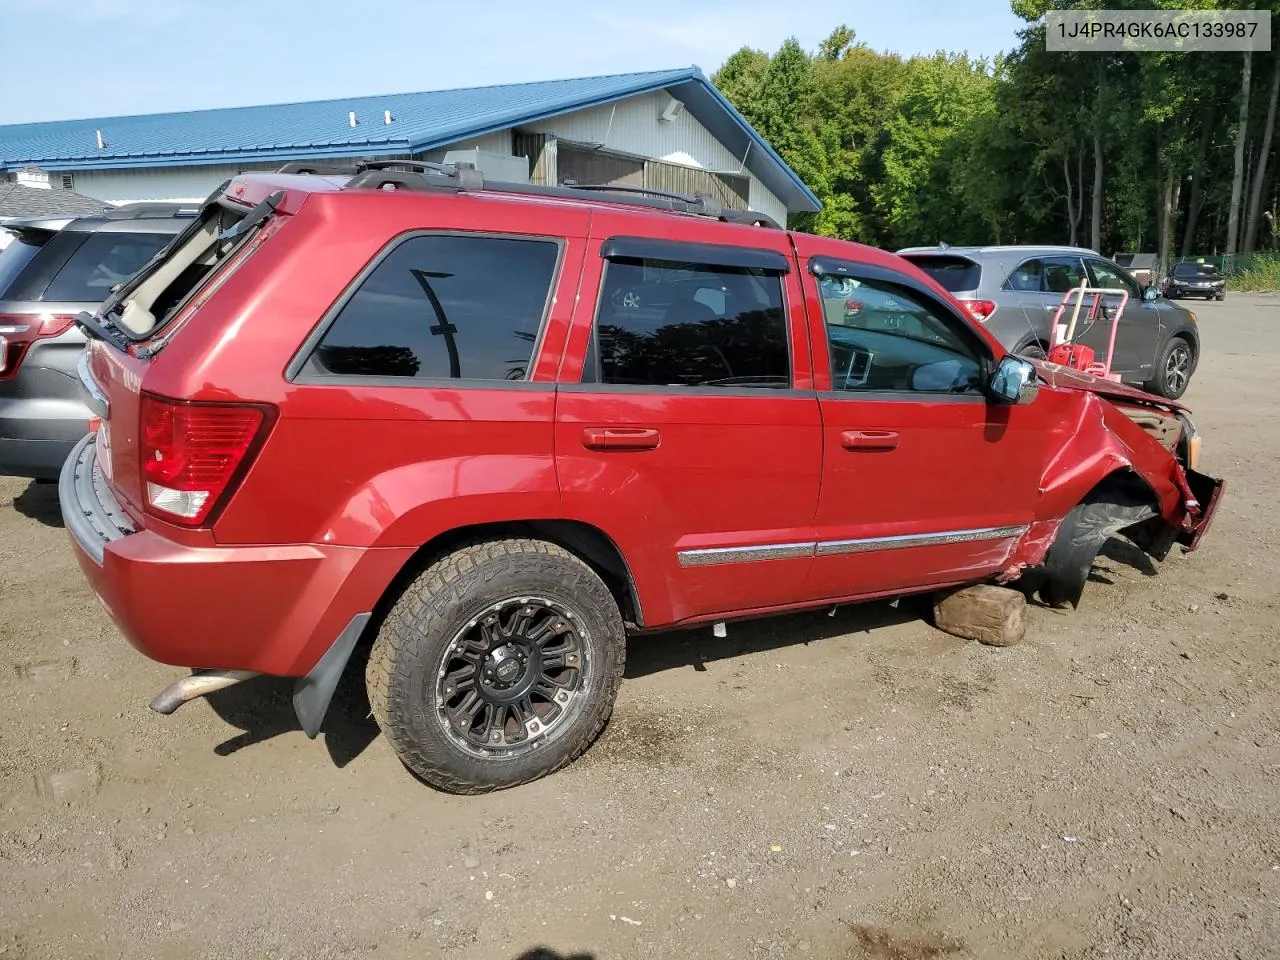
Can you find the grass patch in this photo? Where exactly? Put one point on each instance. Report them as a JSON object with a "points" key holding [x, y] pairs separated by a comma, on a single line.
{"points": [[1262, 274]]}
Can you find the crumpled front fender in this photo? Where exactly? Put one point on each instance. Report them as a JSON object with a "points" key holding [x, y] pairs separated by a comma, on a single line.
{"points": [[1110, 475], [1103, 441]]}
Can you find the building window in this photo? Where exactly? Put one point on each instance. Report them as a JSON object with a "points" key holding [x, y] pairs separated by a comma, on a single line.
{"points": [[68, 182]]}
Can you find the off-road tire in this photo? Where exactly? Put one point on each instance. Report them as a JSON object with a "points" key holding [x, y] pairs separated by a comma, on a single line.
{"points": [[414, 641]]}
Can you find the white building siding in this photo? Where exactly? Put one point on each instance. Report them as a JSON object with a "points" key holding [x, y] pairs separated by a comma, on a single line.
{"points": [[630, 126], [499, 142], [167, 184]]}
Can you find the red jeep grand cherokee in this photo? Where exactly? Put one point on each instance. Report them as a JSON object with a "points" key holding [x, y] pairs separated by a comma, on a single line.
{"points": [[492, 428]]}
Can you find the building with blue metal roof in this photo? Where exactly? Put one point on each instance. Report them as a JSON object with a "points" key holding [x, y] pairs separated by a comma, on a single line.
{"points": [[668, 129]]}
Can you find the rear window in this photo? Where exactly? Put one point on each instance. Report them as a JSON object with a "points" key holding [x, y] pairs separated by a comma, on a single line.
{"points": [[102, 261], [15, 257], [73, 265], [954, 274], [154, 295]]}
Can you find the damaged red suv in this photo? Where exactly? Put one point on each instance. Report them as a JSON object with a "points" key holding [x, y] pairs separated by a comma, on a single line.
{"points": [[491, 429]]}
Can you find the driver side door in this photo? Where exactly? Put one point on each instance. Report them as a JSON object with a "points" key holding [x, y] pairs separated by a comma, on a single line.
{"points": [[925, 482], [1138, 334]]}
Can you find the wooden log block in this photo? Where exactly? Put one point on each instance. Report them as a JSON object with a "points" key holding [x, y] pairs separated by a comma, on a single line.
{"points": [[996, 616]]}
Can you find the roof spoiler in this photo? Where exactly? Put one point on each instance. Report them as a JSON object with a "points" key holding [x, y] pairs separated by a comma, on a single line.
{"points": [[151, 210]]}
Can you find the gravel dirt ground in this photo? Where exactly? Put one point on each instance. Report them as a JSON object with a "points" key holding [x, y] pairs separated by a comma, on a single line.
{"points": [[856, 786]]}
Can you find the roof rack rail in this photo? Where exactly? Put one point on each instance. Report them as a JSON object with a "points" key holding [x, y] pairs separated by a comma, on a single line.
{"points": [[416, 175], [148, 210], [459, 177], [624, 188], [320, 169], [752, 218], [421, 166]]}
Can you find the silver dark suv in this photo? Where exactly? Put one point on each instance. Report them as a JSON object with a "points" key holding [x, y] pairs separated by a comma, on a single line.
{"points": [[50, 271], [1015, 291]]}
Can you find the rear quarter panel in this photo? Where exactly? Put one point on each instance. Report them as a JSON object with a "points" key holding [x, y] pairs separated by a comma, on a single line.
{"points": [[361, 463]]}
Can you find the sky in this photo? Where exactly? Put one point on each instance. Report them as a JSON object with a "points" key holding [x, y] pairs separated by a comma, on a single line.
{"points": [[73, 59]]}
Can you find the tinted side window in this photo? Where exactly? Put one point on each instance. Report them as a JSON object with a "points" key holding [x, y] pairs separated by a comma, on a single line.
{"points": [[102, 261], [1062, 274], [20, 252], [1027, 278], [895, 340], [1105, 275], [31, 282], [664, 323], [451, 307]]}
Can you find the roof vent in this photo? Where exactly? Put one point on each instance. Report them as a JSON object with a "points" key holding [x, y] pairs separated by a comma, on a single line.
{"points": [[102, 144], [351, 118], [386, 116], [672, 110]]}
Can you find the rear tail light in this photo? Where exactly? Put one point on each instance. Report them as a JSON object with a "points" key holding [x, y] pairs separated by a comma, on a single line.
{"points": [[194, 454], [18, 331], [980, 310]]}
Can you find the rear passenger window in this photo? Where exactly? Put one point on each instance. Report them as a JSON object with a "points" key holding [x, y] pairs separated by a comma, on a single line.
{"points": [[667, 323], [1027, 277], [447, 307]]}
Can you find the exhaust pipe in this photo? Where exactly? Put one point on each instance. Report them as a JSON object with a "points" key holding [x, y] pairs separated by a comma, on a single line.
{"points": [[200, 684]]}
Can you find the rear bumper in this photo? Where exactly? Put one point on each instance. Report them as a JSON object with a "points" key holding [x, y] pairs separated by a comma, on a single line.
{"points": [[268, 609], [37, 459], [42, 415]]}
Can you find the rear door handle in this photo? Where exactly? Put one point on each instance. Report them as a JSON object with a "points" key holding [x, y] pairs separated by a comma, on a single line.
{"points": [[620, 438], [869, 440]]}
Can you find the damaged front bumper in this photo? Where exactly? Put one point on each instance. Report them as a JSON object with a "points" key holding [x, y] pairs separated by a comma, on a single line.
{"points": [[1206, 492]]}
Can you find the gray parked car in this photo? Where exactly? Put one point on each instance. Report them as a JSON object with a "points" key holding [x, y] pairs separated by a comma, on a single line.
{"points": [[1016, 291], [50, 271]]}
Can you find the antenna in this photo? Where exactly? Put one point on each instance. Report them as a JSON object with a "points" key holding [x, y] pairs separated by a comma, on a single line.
{"points": [[1026, 313]]}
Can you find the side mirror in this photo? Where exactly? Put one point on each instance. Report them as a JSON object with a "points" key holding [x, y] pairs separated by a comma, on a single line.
{"points": [[1150, 293], [1015, 381]]}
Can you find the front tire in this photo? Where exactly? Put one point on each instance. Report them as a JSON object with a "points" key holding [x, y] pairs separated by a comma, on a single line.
{"points": [[1173, 371], [497, 666]]}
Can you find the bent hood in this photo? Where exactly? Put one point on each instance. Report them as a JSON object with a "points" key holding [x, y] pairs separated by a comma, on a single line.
{"points": [[1067, 378]]}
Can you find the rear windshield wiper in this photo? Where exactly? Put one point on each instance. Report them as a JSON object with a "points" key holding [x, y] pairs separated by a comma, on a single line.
{"points": [[253, 218], [100, 330], [190, 230]]}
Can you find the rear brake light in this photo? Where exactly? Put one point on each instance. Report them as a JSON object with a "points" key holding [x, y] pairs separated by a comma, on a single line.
{"points": [[980, 310], [193, 454], [19, 330]]}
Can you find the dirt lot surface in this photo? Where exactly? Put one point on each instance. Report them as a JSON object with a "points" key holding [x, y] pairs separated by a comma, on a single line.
{"points": [[856, 786]]}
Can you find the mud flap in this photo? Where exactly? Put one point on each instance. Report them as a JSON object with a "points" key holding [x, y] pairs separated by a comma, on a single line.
{"points": [[1081, 536], [312, 693]]}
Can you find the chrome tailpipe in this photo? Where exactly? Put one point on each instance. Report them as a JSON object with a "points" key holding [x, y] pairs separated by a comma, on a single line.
{"points": [[200, 684]]}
